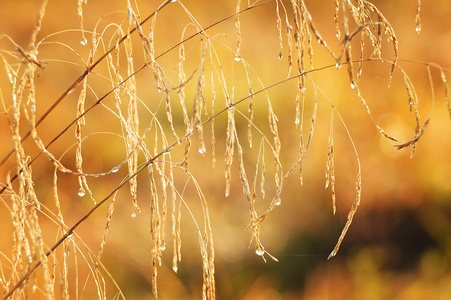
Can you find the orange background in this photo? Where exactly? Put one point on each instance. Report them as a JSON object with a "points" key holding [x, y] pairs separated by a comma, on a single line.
{"points": [[399, 245]]}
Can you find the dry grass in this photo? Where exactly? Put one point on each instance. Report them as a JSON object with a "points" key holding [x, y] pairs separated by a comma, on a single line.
{"points": [[159, 144]]}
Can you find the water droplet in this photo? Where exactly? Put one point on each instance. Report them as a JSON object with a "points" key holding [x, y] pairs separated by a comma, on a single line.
{"points": [[173, 0], [115, 169], [34, 287], [133, 215], [259, 250], [237, 57], [33, 108], [338, 66], [168, 150], [323, 43], [66, 251], [174, 268], [202, 150], [280, 55], [81, 192], [163, 247], [33, 56], [418, 29], [84, 41], [278, 202], [69, 236], [353, 86]]}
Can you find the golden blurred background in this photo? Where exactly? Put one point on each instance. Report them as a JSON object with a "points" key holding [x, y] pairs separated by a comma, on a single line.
{"points": [[399, 244]]}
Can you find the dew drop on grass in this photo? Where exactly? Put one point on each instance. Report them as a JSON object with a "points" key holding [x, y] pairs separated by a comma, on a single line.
{"points": [[359, 72], [133, 215], [237, 57], [353, 85], [81, 192], [321, 42], [418, 29], [202, 150], [168, 150], [174, 268], [259, 250], [66, 251], [84, 41], [278, 202], [115, 169], [280, 55], [173, 0]]}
